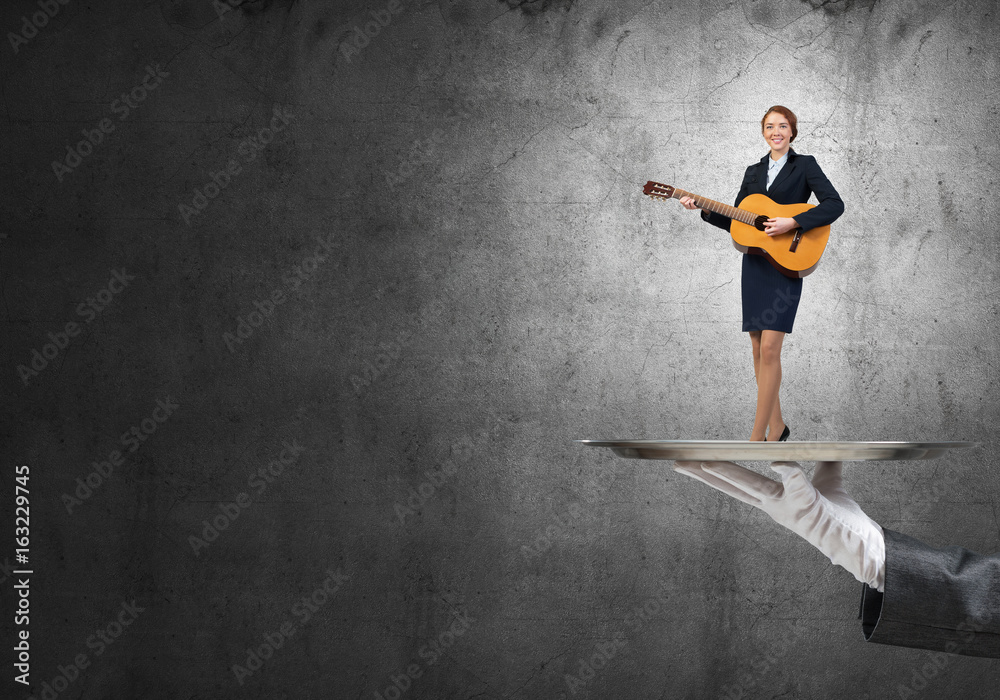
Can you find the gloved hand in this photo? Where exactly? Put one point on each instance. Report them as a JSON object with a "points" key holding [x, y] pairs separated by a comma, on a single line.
{"points": [[820, 512]]}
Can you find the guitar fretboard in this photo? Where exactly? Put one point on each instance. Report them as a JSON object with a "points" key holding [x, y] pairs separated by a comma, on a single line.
{"points": [[747, 217]]}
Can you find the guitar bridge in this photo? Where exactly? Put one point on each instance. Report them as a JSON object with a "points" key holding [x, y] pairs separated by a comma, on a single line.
{"points": [[795, 240]]}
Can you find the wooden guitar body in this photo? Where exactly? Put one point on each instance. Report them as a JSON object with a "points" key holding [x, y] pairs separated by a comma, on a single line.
{"points": [[777, 249]]}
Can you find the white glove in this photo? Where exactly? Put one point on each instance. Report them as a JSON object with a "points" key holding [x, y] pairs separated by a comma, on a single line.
{"points": [[820, 512]]}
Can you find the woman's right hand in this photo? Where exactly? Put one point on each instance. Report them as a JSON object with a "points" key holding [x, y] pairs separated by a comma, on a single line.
{"points": [[688, 203]]}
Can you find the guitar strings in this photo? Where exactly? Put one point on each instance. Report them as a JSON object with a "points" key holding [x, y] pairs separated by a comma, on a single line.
{"points": [[741, 215]]}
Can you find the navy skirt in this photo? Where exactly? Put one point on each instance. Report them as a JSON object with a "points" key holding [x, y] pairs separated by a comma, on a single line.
{"points": [[770, 299]]}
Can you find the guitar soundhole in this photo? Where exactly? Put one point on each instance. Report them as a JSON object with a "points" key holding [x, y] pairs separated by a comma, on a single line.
{"points": [[759, 222]]}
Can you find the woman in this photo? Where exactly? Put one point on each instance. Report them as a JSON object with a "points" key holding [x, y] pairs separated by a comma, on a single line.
{"points": [[770, 299]]}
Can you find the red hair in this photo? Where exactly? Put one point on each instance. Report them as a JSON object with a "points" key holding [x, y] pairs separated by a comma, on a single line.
{"points": [[788, 114]]}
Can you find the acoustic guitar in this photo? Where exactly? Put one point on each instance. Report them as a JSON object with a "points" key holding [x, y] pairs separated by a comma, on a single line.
{"points": [[793, 254]]}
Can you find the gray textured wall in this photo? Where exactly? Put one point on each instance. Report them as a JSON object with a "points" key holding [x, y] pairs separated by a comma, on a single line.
{"points": [[403, 303]]}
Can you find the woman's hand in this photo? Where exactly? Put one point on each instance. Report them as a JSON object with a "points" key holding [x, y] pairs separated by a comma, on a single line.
{"points": [[775, 227], [688, 203]]}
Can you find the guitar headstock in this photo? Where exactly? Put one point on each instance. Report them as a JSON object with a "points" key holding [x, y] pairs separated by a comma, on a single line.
{"points": [[658, 190]]}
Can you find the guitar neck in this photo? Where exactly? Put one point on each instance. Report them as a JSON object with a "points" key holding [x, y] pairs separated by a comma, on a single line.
{"points": [[743, 215]]}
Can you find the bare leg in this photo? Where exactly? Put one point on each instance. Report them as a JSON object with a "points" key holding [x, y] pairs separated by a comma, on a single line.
{"points": [[776, 426], [755, 344], [767, 363]]}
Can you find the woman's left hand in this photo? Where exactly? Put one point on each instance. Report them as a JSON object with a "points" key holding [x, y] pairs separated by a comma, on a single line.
{"points": [[775, 227]]}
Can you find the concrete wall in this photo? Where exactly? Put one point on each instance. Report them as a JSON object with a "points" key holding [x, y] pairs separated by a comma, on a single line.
{"points": [[404, 294]]}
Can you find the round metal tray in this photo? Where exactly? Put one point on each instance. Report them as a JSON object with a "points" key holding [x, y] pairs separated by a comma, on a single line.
{"points": [[719, 450]]}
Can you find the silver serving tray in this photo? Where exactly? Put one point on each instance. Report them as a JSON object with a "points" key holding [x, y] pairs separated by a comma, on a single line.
{"points": [[718, 450]]}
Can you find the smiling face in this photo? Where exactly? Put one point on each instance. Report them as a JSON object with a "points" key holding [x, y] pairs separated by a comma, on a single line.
{"points": [[777, 133]]}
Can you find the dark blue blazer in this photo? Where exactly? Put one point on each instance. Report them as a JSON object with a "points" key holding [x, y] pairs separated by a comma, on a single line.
{"points": [[800, 177]]}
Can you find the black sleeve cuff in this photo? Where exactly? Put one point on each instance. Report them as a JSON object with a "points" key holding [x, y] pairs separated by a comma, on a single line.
{"points": [[871, 609]]}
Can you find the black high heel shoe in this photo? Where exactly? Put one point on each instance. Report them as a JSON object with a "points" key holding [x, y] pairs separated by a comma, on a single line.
{"points": [[784, 434]]}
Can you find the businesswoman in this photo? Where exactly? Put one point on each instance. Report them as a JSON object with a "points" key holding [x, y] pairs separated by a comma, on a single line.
{"points": [[770, 299]]}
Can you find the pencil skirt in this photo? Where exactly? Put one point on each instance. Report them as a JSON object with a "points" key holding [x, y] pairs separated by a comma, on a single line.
{"points": [[770, 299]]}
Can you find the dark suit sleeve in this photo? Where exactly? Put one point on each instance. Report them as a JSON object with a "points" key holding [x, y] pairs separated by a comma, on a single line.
{"points": [[830, 205], [942, 599], [721, 221]]}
